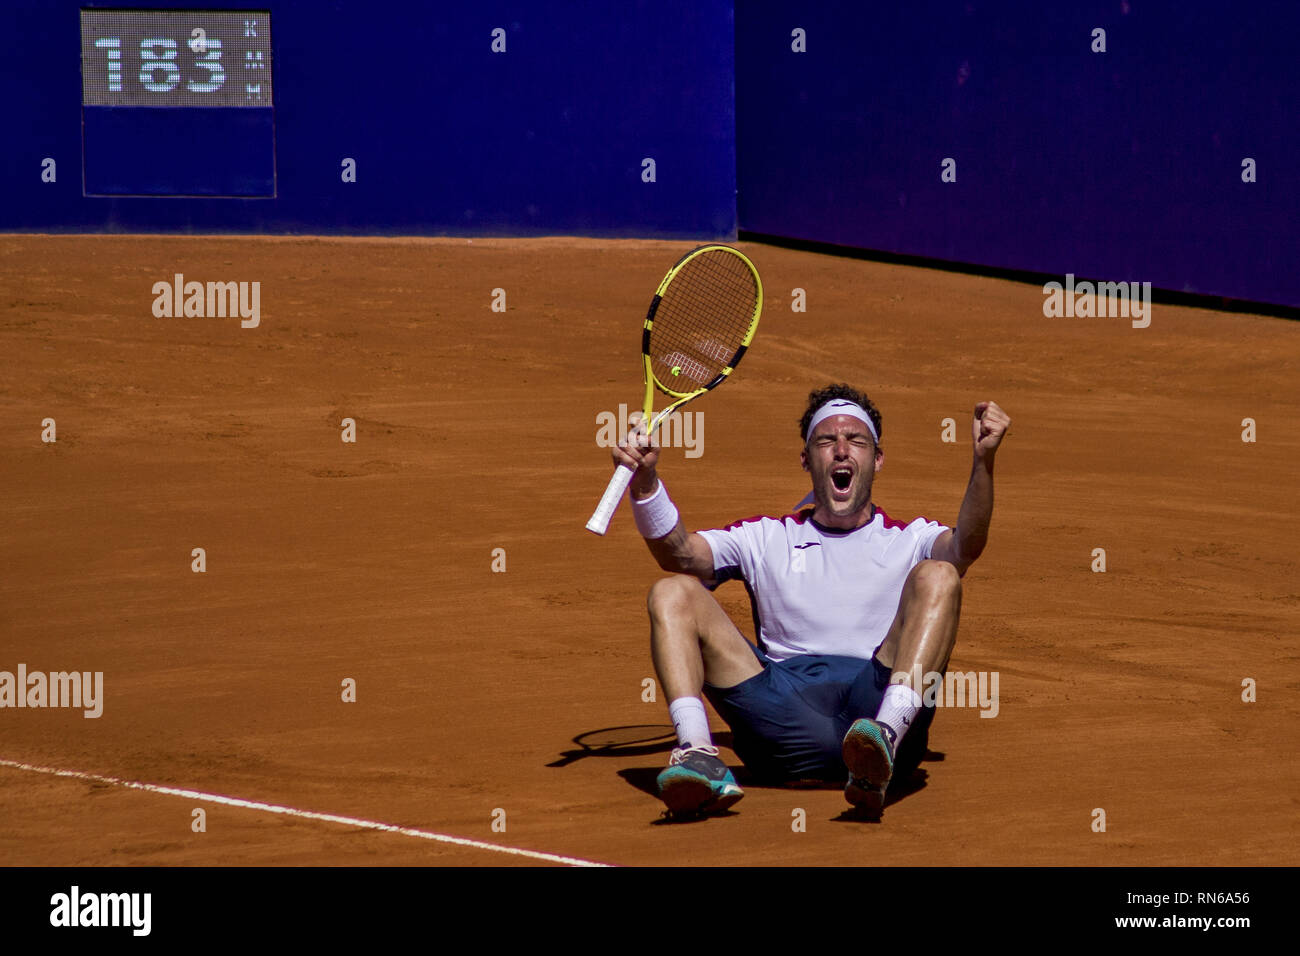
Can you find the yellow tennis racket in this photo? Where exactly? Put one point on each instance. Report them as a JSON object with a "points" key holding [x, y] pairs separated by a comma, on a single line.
{"points": [[700, 323]]}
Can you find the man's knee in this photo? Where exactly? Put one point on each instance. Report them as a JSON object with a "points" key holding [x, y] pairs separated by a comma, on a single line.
{"points": [[937, 580], [672, 596]]}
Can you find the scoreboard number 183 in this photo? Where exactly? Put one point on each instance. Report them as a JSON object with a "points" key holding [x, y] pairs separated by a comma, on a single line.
{"points": [[176, 58]]}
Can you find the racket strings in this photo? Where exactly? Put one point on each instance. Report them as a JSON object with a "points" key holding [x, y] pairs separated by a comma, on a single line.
{"points": [[702, 320]]}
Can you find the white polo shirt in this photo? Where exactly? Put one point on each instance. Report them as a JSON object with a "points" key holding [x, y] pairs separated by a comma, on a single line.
{"points": [[816, 590]]}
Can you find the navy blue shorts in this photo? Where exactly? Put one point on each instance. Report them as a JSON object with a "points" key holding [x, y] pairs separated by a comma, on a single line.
{"points": [[788, 722]]}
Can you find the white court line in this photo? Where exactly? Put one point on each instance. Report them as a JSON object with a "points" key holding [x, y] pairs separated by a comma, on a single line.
{"points": [[303, 814]]}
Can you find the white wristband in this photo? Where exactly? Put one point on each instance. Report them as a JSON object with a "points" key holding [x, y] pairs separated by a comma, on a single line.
{"points": [[656, 516]]}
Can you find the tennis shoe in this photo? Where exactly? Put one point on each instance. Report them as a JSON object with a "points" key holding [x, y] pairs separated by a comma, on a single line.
{"points": [[869, 755], [696, 781]]}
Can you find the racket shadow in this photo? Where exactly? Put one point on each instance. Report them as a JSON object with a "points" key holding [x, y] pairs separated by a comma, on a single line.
{"points": [[634, 740]]}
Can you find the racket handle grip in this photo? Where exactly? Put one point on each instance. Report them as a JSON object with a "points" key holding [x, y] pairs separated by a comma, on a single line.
{"points": [[599, 522]]}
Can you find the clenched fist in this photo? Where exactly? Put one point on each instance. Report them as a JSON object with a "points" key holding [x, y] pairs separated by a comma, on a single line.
{"points": [[988, 428]]}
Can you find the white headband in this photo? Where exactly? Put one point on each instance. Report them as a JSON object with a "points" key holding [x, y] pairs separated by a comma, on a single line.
{"points": [[842, 406]]}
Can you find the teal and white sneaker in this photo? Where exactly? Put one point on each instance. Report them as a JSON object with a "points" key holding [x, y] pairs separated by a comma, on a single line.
{"points": [[698, 782], [869, 755]]}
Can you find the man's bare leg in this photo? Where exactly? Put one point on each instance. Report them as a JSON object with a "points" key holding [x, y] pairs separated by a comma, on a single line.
{"points": [[692, 641], [924, 631], [920, 641]]}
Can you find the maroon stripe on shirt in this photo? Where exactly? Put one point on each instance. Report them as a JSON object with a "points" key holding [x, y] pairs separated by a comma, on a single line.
{"points": [[895, 523], [798, 516]]}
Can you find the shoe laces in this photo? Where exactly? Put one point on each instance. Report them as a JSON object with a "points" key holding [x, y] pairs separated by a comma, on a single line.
{"points": [[680, 753]]}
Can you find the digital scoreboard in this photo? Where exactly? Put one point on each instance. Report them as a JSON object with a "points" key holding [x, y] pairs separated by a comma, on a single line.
{"points": [[177, 103], [176, 58]]}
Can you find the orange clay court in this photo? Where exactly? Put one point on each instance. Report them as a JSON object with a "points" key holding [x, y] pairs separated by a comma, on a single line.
{"points": [[476, 430]]}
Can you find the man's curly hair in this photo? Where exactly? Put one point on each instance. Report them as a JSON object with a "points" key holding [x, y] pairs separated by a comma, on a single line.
{"points": [[821, 396]]}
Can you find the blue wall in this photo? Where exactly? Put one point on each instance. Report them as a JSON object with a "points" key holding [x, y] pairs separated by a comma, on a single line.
{"points": [[449, 138], [1123, 165]]}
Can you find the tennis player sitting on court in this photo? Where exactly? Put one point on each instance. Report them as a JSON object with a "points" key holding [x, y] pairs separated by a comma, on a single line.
{"points": [[852, 609]]}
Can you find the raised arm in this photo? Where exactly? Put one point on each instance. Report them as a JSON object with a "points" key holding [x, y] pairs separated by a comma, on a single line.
{"points": [[963, 545], [673, 547]]}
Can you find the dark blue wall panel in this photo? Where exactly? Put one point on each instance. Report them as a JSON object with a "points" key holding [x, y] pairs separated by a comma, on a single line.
{"points": [[449, 137], [1123, 165], [165, 151]]}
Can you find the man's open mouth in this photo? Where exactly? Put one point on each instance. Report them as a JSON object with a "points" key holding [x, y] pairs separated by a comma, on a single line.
{"points": [[841, 478]]}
